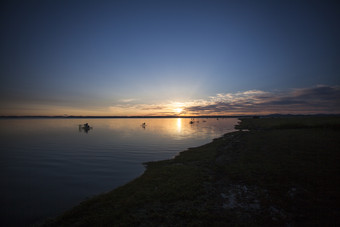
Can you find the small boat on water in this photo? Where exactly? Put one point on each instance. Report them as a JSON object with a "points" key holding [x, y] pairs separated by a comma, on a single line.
{"points": [[85, 127]]}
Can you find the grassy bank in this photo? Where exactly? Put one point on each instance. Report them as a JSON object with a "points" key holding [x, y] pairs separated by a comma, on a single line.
{"points": [[282, 171]]}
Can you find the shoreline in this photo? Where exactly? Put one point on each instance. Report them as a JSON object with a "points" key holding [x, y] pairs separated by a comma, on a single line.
{"points": [[265, 176], [179, 163]]}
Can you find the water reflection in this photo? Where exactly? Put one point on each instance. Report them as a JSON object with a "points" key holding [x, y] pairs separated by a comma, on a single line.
{"points": [[178, 128], [179, 125], [48, 161]]}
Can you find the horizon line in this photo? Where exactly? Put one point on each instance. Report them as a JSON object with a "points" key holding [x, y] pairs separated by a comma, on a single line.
{"points": [[168, 116]]}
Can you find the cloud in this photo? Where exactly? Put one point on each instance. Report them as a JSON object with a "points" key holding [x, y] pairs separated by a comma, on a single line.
{"points": [[319, 99], [127, 100], [311, 100], [128, 109]]}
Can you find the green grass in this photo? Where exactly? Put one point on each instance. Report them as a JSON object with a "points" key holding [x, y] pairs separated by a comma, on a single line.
{"points": [[283, 171]]}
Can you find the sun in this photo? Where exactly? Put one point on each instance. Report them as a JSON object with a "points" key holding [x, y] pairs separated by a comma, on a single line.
{"points": [[178, 110]]}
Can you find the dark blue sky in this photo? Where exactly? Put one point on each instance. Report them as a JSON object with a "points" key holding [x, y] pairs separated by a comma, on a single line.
{"points": [[136, 57]]}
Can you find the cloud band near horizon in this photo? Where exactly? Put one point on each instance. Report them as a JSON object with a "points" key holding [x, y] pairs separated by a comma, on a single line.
{"points": [[318, 99], [321, 99]]}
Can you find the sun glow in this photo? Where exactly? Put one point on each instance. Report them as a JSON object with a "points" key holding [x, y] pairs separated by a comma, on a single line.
{"points": [[178, 110]]}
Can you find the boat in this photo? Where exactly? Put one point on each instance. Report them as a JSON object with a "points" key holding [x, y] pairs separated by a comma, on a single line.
{"points": [[85, 127]]}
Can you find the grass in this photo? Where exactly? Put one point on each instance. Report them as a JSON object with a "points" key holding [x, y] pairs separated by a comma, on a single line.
{"points": [[290, 123], [283, 171], [297, 170]]}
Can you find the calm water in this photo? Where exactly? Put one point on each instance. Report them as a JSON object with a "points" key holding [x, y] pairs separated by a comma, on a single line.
{"points": [[50, 165]]}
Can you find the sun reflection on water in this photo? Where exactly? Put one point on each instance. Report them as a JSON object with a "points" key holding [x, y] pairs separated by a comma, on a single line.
{"points": [[179, 125]]}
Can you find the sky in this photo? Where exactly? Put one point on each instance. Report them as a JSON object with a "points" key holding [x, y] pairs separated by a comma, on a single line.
{"points": [[128, 58]]}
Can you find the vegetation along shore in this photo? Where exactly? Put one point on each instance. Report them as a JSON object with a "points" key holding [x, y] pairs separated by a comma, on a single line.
{"points": [[273, 171]]}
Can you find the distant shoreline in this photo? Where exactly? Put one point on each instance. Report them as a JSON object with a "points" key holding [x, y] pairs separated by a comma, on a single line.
{"points": [[121, 116], [174, 116]]}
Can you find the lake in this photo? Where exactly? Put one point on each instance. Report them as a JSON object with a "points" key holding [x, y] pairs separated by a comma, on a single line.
{"points": [[49, 165]]}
